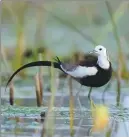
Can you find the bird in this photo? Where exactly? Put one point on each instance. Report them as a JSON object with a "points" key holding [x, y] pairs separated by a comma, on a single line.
{"points": [[94, 71]]}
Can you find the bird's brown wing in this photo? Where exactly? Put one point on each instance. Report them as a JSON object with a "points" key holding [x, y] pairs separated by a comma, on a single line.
{"points": [[89, 61]]}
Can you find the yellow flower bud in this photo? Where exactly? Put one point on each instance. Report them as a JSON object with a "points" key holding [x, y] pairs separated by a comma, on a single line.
{"points": [[100, 117]]}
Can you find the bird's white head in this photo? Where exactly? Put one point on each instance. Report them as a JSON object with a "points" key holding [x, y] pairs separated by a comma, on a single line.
{"points": [[103, 58], [101, 51]]}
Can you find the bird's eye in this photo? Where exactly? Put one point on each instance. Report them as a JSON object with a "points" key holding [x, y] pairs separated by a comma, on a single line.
{"points": [[100, 49]]}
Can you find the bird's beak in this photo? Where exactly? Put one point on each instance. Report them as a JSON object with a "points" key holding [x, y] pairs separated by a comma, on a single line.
{"points": [[93, 52]]}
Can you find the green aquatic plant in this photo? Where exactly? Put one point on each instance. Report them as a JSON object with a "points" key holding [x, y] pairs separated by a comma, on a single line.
{"points": [[48, 125], [121, 63], [111, 25], [17, 13], [17, 61], [71, 106], [122, 66]]}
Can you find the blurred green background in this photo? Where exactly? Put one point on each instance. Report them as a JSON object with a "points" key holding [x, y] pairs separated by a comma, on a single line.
{"points": [[67, 29], [63, 28]]}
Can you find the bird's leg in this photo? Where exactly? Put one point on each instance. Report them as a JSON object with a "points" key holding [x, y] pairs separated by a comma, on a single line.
{"points": [[105, 90], [89, 93], [89, 97], [77, 96]]}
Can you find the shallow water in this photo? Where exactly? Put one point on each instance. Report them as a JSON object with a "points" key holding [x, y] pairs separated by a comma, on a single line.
{"points": [[28, 125], [29, 121]]}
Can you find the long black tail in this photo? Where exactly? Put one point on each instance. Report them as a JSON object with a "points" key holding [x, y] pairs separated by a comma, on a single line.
{"points": [[33, 64]]}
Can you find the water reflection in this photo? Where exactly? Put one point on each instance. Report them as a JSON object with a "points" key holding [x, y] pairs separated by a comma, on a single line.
{"points": [[28, 124]]}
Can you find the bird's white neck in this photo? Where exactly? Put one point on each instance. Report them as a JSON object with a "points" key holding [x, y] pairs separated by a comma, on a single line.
{"points": [[103, 62]]}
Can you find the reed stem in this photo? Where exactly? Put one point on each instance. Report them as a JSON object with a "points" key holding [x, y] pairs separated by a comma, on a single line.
{"points": [[118, 82], [119, 50], [71, 102], [40, 78], [38, 93], [48, 126], [11, 94]]}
